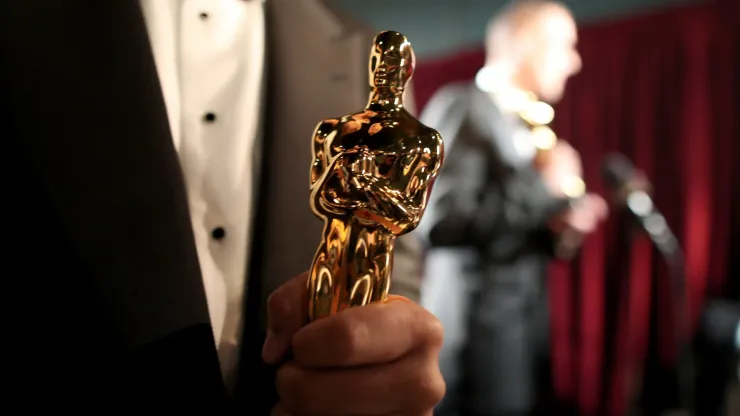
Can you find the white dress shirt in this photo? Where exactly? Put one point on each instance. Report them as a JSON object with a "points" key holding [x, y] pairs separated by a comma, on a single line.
{"points": [[210, 58]]}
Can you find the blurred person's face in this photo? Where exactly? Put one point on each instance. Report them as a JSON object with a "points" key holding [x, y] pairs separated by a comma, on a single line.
{"points": [[550, 56]]}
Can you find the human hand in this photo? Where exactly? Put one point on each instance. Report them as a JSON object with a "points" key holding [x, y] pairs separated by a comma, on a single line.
{"points": [[583, 217], [379, 359], [563, 163], [597, 205]]}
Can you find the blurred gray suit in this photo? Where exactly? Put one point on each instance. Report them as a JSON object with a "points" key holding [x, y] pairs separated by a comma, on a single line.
{"points": [[489, 249]]}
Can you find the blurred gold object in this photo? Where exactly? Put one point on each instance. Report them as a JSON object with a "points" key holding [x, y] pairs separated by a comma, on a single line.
{"points": [[371, 177], [538, 115], [574, 187], [544, 138]]}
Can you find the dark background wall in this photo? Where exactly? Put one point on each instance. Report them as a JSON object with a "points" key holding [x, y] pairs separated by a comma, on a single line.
{"points": [[436, 27]]}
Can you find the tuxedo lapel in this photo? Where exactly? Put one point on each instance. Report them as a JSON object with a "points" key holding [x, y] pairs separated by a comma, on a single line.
{"points": [[85, 111], [162, 27], [316, 68]]}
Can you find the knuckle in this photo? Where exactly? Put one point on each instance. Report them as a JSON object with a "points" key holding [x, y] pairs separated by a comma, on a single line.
{"points": [[434, 331], [283, 300], [349, 335], [431, 387], [293, 391], [284, 381], [273, 301], [279, 410], [276, 304]]}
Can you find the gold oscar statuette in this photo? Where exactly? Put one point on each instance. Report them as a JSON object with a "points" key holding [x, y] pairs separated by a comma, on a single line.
{"points": [[371, 177]]}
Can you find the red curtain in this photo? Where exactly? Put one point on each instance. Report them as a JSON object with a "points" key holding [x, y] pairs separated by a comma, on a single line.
{"points": [[664, 89]]}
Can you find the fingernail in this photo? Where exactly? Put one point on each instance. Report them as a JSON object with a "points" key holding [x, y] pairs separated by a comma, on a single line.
{"points": [[273, 348]]}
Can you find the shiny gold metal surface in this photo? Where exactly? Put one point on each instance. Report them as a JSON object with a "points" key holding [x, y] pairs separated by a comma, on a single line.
{"points": [[538, 115], [371, 176]]}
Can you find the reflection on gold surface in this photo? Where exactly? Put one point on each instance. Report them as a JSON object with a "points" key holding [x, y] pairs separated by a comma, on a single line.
{"points": [[538, 115], [574, 187], [544, 138], [371, 176]]}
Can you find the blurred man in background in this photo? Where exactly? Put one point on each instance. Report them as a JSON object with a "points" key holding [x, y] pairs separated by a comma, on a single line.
{"points": [[503, 213]]}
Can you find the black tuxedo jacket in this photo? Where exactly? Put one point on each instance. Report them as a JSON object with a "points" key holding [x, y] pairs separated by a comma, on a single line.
{"points": [[106, 307], [104, 302]]}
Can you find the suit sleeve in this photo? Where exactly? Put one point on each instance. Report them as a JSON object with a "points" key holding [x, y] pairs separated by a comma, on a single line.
{"points": [[481, 190], [407, 267]]}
